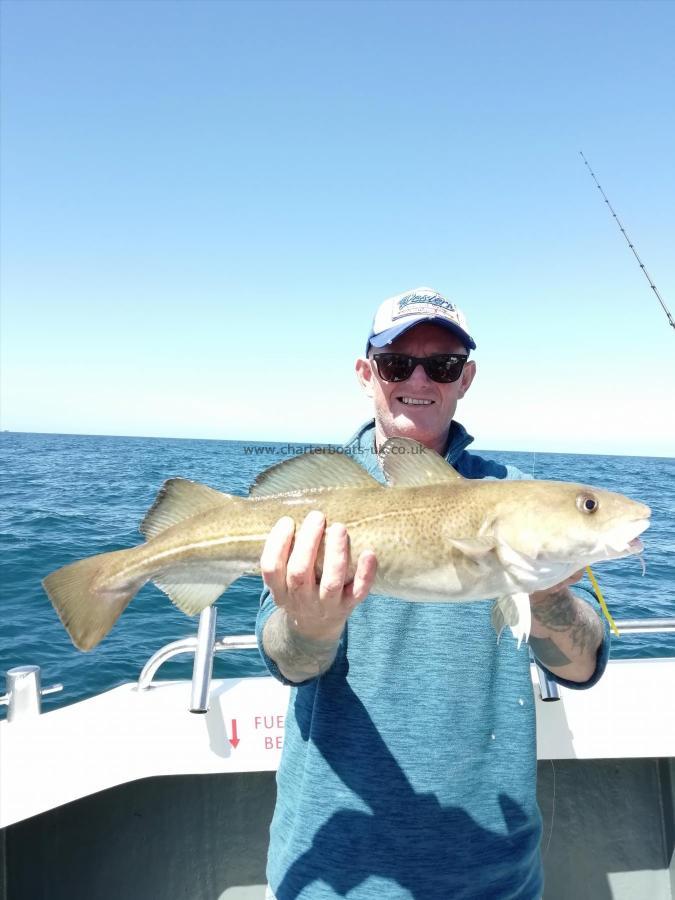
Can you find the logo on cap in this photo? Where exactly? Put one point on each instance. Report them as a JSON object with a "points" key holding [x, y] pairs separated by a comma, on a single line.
{"points": [[426, 304]]}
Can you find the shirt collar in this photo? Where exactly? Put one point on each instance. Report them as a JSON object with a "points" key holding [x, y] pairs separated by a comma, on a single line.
{"points": [[363, 441]]}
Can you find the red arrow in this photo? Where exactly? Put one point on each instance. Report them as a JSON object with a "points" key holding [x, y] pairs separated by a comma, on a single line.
{"points": [[234, 740]]}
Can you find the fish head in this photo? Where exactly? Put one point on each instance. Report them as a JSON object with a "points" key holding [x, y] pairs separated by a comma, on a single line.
{"points": [[564, 527]]}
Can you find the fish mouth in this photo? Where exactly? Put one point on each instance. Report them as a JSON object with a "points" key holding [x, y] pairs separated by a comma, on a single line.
{"points": [[626, 541]]}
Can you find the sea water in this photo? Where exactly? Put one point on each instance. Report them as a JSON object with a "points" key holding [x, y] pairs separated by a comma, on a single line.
{"points": [[64, 497]]}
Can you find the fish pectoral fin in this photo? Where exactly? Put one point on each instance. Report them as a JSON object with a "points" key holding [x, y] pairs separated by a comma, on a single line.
{"points": [[407, 463], [312, 471], [179, 499], [474, 547], [520, 567], [194, 597], [513, 610]]}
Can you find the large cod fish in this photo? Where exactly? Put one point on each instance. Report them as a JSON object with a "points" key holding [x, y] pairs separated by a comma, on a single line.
{"points": [[437, 537]]}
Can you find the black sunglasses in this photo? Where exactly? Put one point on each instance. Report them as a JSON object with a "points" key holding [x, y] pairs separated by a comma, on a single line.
{"points": [[441, 367]]}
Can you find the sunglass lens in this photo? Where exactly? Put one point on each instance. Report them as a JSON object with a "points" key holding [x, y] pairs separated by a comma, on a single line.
{"points": [[444, 369], [394, 366]]}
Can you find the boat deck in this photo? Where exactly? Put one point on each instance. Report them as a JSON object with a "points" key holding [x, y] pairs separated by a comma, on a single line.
{"points": [[130, 795]]}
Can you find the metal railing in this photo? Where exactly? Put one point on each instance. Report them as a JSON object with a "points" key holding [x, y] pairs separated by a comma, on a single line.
{"points": [[203, 646], [24, 692], [549, 689], [645, 626]]}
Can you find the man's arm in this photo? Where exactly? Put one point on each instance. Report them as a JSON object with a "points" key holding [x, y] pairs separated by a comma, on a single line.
{"points": [[302, 635], [299, 658], [566, 632]]}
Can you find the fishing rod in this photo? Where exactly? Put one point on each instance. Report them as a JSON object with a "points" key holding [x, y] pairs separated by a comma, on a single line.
{"points": [[630, 243]]}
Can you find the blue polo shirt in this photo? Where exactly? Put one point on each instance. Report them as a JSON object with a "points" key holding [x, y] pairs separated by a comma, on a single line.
{"points": [[409, 767]]}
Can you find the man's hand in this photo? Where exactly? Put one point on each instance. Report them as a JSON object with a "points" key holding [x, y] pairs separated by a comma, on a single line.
{"points": [[566, 631], [302, 635]]}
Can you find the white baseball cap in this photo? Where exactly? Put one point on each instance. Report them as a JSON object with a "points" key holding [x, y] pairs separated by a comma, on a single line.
{"points": [[423, 304]]}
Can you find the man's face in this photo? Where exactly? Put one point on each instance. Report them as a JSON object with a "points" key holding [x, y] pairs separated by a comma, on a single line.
{"points": [[395, 414]]}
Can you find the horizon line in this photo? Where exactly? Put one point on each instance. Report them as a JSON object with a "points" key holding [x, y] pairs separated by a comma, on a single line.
{"points": [[324, 443]]}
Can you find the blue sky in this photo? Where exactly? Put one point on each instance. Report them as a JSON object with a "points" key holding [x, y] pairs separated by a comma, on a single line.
{"points": [[202, 204]]}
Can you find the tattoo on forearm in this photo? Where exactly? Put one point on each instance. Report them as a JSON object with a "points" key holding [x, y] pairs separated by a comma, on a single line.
{"points": [[299, 658], [548, 653], [563, 612]]}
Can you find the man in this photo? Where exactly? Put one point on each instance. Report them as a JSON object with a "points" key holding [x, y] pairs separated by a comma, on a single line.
{"points": [[409, 763]]}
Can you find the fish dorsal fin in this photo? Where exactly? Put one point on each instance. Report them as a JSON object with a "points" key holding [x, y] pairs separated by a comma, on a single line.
{"points": [[312, 471], [407, 463], [179, 499]]}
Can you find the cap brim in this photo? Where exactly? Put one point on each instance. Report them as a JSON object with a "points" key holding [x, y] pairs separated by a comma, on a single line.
{"points": [[386, 337]]}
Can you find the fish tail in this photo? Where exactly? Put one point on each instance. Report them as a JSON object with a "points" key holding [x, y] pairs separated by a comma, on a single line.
{"points": [[87, 599]]}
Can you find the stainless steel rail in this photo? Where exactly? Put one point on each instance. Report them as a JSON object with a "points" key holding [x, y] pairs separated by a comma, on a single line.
{"points": [[189, 645], [645, 626], [548, 688], [203, 665], [24, 690], [201, 678], [203, 647]]}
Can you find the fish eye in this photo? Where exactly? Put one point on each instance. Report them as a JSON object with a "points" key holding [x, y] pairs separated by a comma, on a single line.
{"points": [[586, 503]]}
